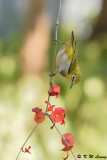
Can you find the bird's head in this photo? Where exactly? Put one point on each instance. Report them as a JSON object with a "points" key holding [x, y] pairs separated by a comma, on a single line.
{"points": [[74, 78]]}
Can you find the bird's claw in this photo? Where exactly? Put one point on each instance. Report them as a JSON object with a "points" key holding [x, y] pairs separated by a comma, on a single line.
{"points": [[56, 41], [52, 74]]}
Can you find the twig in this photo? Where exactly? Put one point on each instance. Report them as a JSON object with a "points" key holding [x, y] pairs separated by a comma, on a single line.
{"points": [[55, 48], [56, 35], [60, 134], [29, 136]]}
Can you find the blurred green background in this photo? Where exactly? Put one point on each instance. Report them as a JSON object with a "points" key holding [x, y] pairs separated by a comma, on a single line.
{"points": [[26, 52]]}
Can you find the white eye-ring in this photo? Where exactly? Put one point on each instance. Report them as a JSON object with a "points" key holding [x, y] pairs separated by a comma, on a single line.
{"points": [[73, 77]]}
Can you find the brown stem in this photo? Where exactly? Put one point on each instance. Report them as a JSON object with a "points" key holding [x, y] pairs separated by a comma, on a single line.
{"points": [[60, 134], [55, 48], [29, 136], [56, 35]]}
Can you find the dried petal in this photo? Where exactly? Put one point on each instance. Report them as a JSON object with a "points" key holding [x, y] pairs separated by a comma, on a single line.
{"points": [[36, 110]]}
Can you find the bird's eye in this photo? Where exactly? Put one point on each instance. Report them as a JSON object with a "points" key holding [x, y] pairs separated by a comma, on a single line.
{"points": [[73, 77]]}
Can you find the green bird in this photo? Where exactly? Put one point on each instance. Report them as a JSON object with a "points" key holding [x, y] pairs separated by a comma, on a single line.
{"points": [[67, 62]]}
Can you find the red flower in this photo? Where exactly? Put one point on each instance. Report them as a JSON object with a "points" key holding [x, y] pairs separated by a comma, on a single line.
{"points": [[64, 113], [69, 138], [61, 109], [38, 116], [51, 106], [55, 90], [57, 116], [27, 150], [36, 110]]}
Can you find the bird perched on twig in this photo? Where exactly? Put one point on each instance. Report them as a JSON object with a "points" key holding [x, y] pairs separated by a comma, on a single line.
{"points": [[67, 62]]}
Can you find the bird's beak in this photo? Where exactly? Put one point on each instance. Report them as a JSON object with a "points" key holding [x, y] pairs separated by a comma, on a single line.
{"points": [[71, 84]]}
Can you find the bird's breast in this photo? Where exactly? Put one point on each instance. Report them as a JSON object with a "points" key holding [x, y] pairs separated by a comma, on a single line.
{"points": [[63, 62]]}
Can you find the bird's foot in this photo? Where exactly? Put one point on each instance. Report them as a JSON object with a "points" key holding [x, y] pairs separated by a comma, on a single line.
{"points": [[52, 74], [56, 41]]}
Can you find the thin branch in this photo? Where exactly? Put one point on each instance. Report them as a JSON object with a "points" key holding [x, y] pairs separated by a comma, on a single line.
{"points": [[18, 154], [55, 48], [56, 34], [29, 136], [61, 134]]}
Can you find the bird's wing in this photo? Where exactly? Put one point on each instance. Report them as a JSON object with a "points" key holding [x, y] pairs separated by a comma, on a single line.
{"points": [[69, 67], [73, 60], [62, 48], [74, 55]]}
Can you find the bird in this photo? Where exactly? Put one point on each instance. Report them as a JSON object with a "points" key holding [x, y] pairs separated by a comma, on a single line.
{"points": [[67, 62]]}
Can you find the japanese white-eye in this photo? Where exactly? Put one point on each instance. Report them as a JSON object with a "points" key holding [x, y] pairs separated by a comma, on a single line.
{"points": [[67, 62]]}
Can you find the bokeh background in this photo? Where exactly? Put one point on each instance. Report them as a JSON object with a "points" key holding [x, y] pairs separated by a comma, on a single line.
{"points": [[26, 51]]}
